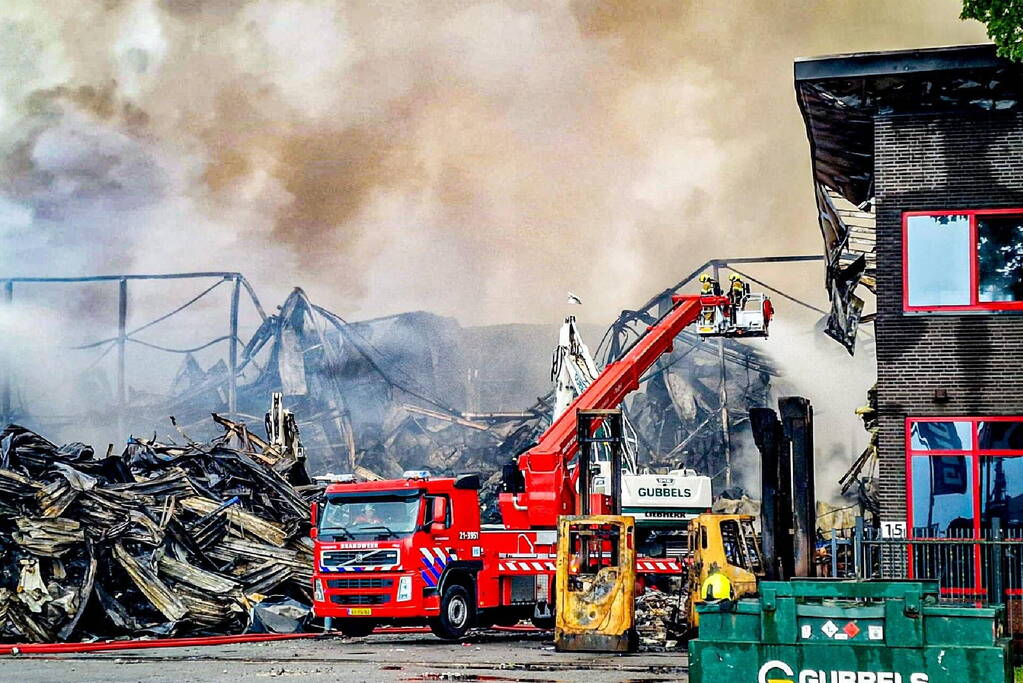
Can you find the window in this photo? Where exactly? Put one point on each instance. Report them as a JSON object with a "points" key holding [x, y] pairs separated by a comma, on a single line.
{"points": [[964, 475], [963, 260], [942, 497], [1001, 435], [1000, 258], [941, 436], [938, 260], [731, 539], [360, 517], [752, 547], [965, 483], [592, 547], [1001, 493]]}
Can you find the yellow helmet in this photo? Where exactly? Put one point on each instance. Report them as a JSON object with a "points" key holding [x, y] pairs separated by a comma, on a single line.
{"points": [[733, 277], [705, 278]]}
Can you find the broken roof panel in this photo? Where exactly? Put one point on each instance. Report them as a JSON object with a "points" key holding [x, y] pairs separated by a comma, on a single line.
{"points": [[839, 96]]}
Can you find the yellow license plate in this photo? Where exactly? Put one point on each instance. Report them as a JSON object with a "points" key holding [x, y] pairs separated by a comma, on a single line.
{"points": [[359, 612]]}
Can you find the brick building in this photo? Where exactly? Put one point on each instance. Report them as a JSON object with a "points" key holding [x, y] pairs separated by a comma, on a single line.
{"points": [[918, 165]]}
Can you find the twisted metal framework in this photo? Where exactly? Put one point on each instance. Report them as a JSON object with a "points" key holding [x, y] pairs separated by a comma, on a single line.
{"points": [[125, 336]]}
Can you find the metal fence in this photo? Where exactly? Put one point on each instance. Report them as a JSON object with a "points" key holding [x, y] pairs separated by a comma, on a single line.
{"points": [[982, 571], [835, 553]]}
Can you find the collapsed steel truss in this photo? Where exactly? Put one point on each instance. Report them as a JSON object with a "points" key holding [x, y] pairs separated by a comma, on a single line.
{"points": [[322, 343]]}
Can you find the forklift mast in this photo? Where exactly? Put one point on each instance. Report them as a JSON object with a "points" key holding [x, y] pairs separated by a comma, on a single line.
{"points": [[596, 570]]}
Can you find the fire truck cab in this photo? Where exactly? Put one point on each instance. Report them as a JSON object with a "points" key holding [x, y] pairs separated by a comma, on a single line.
{"points": [[412, 551]]}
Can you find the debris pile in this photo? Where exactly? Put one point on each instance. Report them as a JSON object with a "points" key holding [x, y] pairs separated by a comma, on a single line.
{"points": [[376, 397], [734, 501], [660, 619], [162, 539]]}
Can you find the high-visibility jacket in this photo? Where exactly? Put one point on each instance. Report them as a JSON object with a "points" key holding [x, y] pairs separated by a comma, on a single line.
{"points": [[716, 587]]}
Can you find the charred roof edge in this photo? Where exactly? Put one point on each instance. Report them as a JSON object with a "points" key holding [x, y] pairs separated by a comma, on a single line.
{"points": [[863, 64]]}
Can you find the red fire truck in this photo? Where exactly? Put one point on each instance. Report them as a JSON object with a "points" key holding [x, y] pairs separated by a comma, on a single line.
{"points": [[413, 550]]}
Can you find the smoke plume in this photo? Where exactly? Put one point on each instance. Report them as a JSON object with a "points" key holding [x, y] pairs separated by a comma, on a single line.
{"points": [[477, 159]]}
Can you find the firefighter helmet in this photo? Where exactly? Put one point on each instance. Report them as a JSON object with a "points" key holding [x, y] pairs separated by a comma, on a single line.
{"points": [[705, 278]]}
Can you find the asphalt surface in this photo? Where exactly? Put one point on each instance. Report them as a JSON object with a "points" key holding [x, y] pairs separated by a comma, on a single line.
{"points": [[484, 657]]}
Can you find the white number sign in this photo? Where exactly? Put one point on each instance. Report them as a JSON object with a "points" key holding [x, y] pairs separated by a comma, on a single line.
{"points": [[893, 530]]}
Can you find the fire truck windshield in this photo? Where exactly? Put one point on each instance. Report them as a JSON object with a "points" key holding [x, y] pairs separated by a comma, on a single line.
{"points": [[362, 518]]}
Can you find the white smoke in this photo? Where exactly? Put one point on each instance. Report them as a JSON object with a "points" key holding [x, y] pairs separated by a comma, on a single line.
{"points": [[472, 158], [476, 159]]}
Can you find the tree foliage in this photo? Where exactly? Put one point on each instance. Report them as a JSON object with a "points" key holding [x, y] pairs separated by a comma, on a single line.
{"points": [[1004, 21]]}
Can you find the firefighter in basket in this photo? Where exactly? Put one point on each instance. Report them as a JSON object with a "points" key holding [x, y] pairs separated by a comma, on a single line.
{"points": [[738, 290]]}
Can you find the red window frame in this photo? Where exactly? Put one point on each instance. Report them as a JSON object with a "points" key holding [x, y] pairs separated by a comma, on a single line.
{"points": [[974, 453], [975, 304]]}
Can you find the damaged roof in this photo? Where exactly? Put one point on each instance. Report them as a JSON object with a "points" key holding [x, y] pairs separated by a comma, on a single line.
{"points": [[839, 96]]}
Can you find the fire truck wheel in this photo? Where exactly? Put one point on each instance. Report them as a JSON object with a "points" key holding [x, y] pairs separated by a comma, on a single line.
{"points": [[354, 628], [455, 614]]}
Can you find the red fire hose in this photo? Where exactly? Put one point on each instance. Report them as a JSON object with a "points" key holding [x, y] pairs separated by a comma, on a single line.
{"points": [[63, 648], [108, 645]]}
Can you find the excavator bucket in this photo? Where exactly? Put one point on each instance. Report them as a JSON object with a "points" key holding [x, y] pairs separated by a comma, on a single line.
{"points": [[749, 317]]}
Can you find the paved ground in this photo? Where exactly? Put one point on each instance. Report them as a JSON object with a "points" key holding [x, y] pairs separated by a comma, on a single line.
{"points": [[489, 657]]}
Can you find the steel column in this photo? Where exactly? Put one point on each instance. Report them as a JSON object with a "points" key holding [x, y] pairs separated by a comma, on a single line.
{"points": [[122, 324], [588, 424], [6, 407], [232, 356], [616, 430], [726, 436], [775, 495], [585, 449]]}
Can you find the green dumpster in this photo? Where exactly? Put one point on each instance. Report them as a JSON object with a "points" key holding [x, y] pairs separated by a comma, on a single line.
{"points": [[832, 631]]}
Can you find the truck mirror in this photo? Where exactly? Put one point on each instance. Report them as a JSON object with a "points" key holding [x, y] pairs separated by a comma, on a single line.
{"points": [[314, 519], [440, 512]]}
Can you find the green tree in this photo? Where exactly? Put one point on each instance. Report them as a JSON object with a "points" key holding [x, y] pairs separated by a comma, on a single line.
{"points": [[1004, 21]]}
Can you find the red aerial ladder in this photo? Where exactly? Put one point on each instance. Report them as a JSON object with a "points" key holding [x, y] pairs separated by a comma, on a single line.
{"points": [[545, 487]]}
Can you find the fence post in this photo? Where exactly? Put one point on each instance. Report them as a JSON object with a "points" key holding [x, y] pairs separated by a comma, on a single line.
{"points": [[995, 565], [834, 553], [858, 548]]}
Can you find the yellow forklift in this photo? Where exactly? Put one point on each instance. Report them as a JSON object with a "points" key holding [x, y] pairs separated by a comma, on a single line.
{"points": [[596, 570], [595, 594], [596, 583], [730, 542]]}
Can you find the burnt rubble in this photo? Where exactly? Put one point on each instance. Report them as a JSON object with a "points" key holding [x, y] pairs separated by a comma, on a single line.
{"points": [[163, 539], [660, 618]]}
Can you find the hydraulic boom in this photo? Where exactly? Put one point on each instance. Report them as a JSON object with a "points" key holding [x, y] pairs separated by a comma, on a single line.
{"points": [[547, 488]]}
